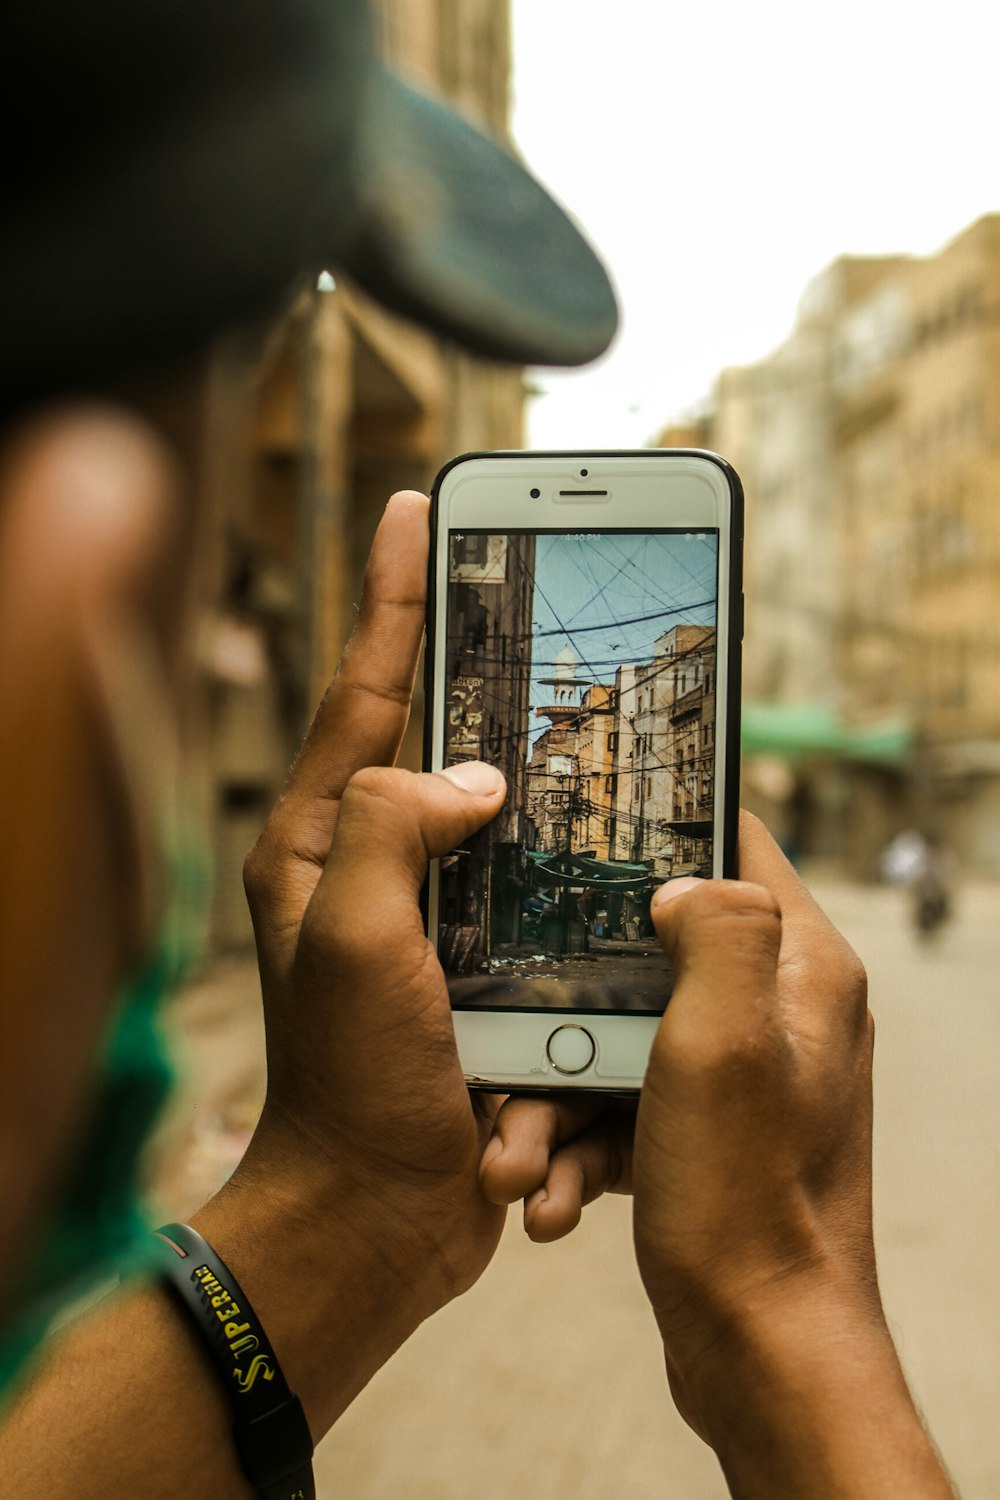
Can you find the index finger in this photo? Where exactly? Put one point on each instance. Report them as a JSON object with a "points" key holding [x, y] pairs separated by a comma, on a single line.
{"points": [[822, 983], [762, 862]]}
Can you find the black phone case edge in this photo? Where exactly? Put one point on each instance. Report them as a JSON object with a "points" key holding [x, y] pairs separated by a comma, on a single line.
{"points": [[731, 797]]}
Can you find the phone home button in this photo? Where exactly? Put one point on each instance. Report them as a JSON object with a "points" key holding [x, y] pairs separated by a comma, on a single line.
{"points": [[571, 1049]]}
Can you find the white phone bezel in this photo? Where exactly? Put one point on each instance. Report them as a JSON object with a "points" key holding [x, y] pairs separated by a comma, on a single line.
{"points": [[508, 1049]]}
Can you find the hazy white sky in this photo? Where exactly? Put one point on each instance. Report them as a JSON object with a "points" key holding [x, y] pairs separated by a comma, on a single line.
{"points": [[721, 154]]}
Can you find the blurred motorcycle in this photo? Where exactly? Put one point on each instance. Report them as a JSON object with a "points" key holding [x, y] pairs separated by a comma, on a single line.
{"points": [[924, 866], [932, 907]]}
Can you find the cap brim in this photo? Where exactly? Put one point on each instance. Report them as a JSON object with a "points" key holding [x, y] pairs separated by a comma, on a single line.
{"points": [[456, 234], [192, 198]]}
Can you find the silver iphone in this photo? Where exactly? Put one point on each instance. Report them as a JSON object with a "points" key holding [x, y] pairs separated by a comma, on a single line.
{"points": [[584, 629]]}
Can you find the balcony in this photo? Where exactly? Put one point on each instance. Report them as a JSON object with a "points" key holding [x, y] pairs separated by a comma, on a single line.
{"points": [[687, 705]]}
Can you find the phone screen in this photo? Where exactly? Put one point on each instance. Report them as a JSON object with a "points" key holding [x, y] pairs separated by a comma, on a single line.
{"points": [[583, 665]]}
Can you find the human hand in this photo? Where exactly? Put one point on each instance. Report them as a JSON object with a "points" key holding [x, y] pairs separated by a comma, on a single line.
{"points": [[751, 1170], [561, 1153], [752, 1157], [364, 1084]]}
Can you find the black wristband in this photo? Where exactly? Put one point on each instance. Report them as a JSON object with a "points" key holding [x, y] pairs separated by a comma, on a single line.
{"points": [[270, 1430]]}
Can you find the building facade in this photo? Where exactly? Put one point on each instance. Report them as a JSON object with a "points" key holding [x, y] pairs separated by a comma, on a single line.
{"points": [[554, 799], [487, 690], [624, 772], [295, 433], [869, 445], [592, 812]]}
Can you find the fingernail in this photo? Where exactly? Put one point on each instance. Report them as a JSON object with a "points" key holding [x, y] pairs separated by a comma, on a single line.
{"points": [[673, 888], [476, 777]]}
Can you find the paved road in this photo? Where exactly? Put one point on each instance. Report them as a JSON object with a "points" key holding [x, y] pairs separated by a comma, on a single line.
{"points": [[545, 1381]]}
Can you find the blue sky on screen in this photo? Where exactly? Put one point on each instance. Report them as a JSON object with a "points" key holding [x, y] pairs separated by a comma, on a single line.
{"points": [[607, 597]]}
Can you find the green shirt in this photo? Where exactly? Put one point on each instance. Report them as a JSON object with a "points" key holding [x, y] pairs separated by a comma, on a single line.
{"points": [[97, 1228]]}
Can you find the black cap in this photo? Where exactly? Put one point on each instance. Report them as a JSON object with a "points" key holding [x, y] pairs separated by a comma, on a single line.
{"points": [[175, 165]]}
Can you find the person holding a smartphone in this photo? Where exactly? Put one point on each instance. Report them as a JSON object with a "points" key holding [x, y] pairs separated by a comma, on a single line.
{"points": [[374, 1189]]}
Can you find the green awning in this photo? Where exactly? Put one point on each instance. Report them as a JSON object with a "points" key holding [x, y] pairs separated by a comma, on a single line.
{"points": [[798, 730]]}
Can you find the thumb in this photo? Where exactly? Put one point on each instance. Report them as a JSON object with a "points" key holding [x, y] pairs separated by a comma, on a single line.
{"points": [[723, 938], [391, 823], [368, 1012]]}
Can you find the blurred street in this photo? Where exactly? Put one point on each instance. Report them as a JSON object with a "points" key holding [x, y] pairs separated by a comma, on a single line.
{"points": [[545, 1382]]}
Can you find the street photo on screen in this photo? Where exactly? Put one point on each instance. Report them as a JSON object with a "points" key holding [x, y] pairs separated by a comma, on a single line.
{"points": [[583, 665]]}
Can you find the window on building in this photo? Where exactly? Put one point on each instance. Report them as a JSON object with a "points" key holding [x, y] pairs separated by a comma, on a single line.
{"points": [[969, 303], [471, 548], [475, 626], [971, 415]]}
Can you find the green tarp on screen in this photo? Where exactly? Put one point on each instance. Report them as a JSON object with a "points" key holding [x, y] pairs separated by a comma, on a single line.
{"points": [[578, 869]]}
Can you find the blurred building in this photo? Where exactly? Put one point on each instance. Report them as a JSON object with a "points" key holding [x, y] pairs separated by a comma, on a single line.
{"points": [[869, 446], [297, 433]]}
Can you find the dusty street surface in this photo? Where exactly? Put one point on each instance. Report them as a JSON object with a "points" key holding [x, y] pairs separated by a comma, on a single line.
{"points": [[545, 1382]]}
